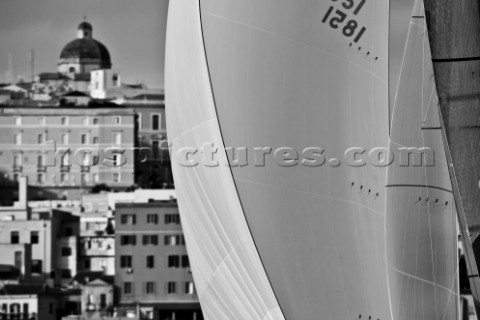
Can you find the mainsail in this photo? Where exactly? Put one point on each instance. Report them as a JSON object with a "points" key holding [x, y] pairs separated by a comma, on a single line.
{"points": [[421, 217], [301, 80], [454, 31]]}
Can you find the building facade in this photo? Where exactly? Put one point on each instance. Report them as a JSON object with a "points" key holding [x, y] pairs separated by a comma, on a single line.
{"points": [[153, 158], [153, 273], [66, 150], [49, 239], [97, 238], [26, 302]]}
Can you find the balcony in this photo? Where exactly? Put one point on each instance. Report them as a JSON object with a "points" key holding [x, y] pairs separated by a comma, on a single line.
{"points": [[17, 168], [84, 168], [64, 168], [41, 168]]}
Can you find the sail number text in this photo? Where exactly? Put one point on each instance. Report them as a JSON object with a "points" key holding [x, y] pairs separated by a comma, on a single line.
{"points": [[336, 18]]}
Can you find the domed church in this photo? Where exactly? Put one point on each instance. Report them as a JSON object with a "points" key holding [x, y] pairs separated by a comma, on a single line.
{"points": [[84, 54]]}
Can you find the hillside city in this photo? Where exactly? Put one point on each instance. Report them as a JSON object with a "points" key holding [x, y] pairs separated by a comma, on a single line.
{"points": [[90, 227]]}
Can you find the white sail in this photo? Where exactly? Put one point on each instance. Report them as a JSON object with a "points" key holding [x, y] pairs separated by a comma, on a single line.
{"points": [[421, 218], [282, 240]]}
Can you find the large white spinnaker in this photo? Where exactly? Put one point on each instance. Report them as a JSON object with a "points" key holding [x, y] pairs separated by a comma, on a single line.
{"points": [[272, 240], [421, 217]]}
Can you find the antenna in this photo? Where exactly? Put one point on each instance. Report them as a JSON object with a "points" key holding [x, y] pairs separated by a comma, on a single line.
{"points": [[32, 64]]}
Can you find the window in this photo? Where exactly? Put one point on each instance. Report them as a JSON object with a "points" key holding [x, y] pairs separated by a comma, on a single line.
{"points": [[18, 121], [173, 261], [95, 140], [84, 138], [64, 138], [155, 122], [14, 309], [152, 218], [140, 120], [71, 69], [25, 309], [41, 138], [128, 219], [15, 177], [174, 240], [117, 120], [63, 177], [103, 300], [87, 264], [185, 262], [125, 261], [117, 138], [17, 160], [17, 139], [95, 121], [64, 121], [127, 287], [171, 287], [41, 178], [66, 252], [129, 240], [18, 258], [150, 239], [155, 146], [41, 160], [85, 178], [172, 218], [66, 159], [66, 273], [85, 121], [117, 160], [96, 178], [34, 237], [14, 237], [149, 287], [150, 262], [189, 287], [86, 159], [36, 266]]}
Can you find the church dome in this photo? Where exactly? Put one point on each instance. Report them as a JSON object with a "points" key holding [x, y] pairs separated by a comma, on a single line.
{"points": [[87, 50], [84, 53]]}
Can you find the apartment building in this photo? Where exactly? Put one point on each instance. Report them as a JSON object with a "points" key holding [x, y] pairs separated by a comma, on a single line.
{"points": [[65, 150], [153, 273]]}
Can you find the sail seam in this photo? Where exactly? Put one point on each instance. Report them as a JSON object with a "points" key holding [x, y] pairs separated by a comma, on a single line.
{"points": [[422, 280]]}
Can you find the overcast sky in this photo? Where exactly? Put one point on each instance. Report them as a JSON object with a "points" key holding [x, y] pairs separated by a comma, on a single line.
{"points": [[132, 30]]}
